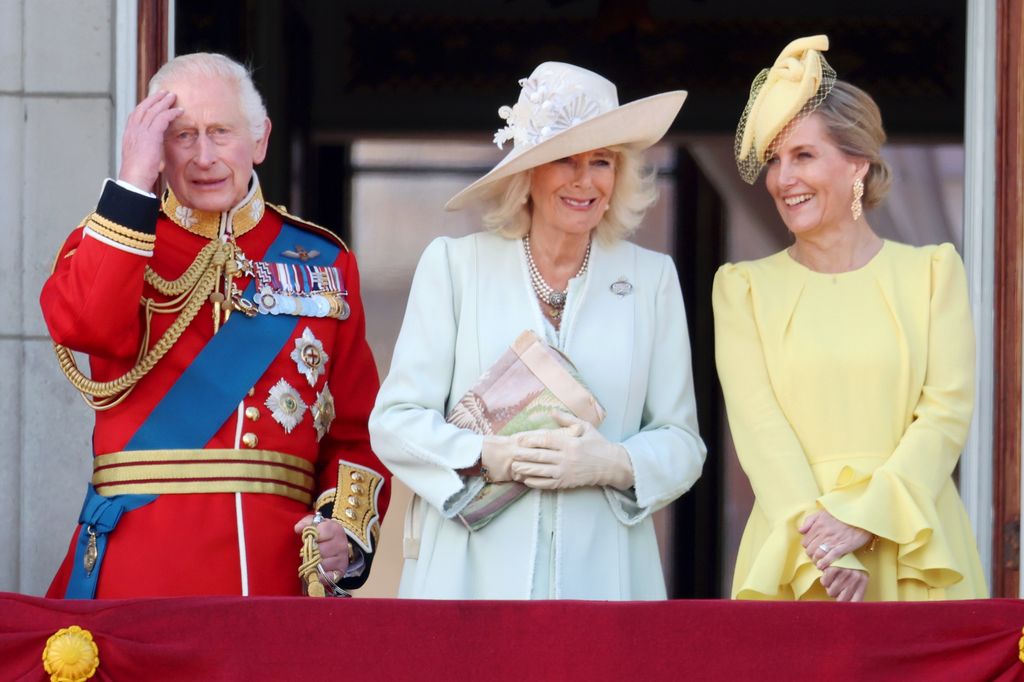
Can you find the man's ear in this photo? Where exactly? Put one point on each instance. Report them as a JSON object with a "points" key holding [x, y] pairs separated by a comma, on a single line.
{"points": [[260, 152]]}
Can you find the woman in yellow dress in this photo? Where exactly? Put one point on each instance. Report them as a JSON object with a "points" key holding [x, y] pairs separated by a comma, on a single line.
{"points": [[846, 361]]}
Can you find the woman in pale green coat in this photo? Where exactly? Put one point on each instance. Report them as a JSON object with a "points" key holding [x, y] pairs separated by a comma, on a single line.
{"points": [[554, 262]]}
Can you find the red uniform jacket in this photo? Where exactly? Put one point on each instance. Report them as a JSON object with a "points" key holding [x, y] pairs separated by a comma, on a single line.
{"points": [[191, 543]]}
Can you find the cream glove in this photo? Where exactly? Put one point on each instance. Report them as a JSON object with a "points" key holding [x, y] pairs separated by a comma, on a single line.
{"points": [[496, 457], [574, 456]]}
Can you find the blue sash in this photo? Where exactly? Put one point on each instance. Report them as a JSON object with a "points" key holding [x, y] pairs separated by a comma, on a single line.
{"points": [[101, 514], [199, 402], [210, 389]]}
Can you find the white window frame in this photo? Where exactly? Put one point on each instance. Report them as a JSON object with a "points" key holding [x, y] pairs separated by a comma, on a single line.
{"points": [[976, 465]]}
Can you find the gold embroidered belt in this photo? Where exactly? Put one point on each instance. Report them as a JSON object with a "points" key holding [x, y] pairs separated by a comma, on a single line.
{"points": [[157, 472]]}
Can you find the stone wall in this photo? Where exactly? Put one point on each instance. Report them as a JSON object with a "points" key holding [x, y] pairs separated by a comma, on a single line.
{"points": [[56, 103]]}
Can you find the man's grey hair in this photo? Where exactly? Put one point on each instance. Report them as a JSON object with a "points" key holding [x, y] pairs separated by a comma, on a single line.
{"points": [[216, 65]]}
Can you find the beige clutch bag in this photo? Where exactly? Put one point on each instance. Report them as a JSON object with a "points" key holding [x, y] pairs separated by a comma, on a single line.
{"points": [[518, 393]]}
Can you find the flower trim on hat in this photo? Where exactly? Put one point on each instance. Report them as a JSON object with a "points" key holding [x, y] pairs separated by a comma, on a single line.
{"points": [[563, 110], [543, 111]]}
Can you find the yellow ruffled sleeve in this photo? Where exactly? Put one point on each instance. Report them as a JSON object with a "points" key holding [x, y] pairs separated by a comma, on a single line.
{"points": [[768, 449], [897, 501]]}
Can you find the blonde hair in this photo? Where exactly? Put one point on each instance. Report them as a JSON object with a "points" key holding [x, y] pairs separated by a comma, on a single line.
{"points": [[854, 124], [213, 65], [635, 191]]}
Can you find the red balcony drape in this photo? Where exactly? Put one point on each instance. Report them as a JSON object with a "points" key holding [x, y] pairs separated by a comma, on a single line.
{"points": [[369, 639]]}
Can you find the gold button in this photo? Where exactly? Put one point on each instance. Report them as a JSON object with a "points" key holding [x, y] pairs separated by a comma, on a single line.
{"points": [[250, 440], [350, 512], [252, 413], [353, 501], [356, 476], [252, 391], [357, 489]]}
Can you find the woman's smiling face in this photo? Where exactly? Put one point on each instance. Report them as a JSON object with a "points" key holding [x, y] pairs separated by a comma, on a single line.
{"points": [[811, 179], [572, 194]]}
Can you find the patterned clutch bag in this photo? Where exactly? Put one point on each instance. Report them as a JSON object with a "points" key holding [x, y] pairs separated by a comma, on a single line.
{"points": [[519, 393]]}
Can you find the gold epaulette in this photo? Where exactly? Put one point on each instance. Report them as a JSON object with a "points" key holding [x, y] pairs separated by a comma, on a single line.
{"points": [[355, 503], [313, 227]]}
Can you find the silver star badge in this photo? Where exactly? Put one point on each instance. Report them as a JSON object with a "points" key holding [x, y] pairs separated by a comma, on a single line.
{"points": [[285, 405], [309, 356]]}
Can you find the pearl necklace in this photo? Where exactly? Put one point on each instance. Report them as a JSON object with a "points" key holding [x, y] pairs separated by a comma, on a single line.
{"points": [[554, 299]]}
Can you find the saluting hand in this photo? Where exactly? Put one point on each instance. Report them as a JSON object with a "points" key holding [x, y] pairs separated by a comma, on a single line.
{"points": [[142, 146]]}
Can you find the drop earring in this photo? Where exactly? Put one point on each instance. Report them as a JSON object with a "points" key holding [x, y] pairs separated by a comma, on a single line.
{"points": [[858, 191]]}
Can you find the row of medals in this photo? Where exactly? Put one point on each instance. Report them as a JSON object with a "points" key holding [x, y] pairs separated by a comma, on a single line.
{"points": [[270, 300]]}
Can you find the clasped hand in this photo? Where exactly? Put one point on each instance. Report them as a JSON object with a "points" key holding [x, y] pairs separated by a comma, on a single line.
{"points": [[572, 456], [825, 540]]}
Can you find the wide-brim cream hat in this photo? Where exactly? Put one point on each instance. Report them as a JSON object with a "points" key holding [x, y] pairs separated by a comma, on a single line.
{"points": [[565, 110], [796, 84]]}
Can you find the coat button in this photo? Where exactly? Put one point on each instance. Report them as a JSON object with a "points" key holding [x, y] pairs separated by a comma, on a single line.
{"points": [[250, 440], [356, 476], [350, 512], [252, 413]]}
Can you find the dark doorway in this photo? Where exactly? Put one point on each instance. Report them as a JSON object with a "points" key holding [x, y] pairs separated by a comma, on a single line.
{"points": [[334, 72]]}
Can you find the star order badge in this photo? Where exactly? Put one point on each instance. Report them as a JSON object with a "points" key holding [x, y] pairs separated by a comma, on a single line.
{"points": [[285, 405], [309, 356], [323, 412]]}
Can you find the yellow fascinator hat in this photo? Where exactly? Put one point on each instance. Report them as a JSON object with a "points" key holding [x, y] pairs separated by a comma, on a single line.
{"points": [[797, 83]]}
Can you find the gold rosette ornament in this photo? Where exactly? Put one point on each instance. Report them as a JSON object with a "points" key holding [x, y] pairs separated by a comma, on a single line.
{"points": [[71, 655]]}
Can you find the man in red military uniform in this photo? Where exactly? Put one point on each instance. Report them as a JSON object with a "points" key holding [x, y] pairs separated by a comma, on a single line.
{"points": [[230, 373]]}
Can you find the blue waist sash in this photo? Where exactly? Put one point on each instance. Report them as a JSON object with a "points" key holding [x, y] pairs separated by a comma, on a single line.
{"points": [[99, 515], [199, 402]]}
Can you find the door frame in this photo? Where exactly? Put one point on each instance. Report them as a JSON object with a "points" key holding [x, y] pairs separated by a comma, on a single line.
{"points": [[990, 471]]}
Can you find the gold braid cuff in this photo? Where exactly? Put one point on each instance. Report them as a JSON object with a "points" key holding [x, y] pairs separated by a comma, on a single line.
{"points": [[119, 234], [355, 503]]}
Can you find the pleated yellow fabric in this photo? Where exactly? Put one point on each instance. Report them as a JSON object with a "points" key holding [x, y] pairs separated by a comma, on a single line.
{"points": [[851, 393]]}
